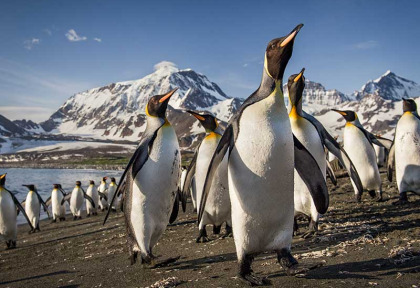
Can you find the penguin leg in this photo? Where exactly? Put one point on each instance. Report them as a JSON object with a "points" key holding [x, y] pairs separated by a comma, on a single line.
{"points": [[216, 229], [295, 226], [133, 257], [403, 199], [37, 227], [13, 244], [246, 274], [8, 244], [289, 263], [313, 228], [372, 193], [229, 232], [88, 215], [379, 198], [54, 220], [62, 218], [202, 235]]}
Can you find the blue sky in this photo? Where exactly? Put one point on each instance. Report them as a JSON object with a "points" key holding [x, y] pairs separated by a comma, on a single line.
{"points": [[53, 49]]}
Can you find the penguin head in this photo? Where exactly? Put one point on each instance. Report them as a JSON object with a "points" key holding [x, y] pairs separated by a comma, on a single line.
{"points": [[295, 86], [278, 54], [208, 121], [3, 179], [78, 183], [91, 182], [104, 178], [112, 179], [348, 115], [31, 187], [156, 107], [56, 186], [409, 105]]}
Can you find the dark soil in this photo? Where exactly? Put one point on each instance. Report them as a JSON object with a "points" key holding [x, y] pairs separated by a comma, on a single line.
{"points": [[359, 245]]}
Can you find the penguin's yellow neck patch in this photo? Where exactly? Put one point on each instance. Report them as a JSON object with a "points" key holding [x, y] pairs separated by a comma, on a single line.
{"points": [[166, 123], [212, 135], [349, 124], [266, 65], [293, 113], [147, 110]]}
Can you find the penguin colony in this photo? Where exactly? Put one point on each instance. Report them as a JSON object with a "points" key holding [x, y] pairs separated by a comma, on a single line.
{"points": [[256, 176]]}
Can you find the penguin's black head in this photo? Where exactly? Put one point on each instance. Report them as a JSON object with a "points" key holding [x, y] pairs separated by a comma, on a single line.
{"points": [[157, 105], [409, 105], [91, 182], [78, 183], [104, 178], [31, 187], [349, 115], [3, 179], [113, 179], [208, 121], [56, 186], [295, 86], [278, 53]]}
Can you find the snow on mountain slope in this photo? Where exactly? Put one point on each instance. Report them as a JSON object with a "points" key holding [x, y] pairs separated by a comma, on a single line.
{"points": [[390, 87], [116, 111]]}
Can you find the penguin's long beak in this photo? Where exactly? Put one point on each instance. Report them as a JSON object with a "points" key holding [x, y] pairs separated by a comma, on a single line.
{"points": [[196, 115], [167, 95], [340, 112], [299, 75], [291, 35]]}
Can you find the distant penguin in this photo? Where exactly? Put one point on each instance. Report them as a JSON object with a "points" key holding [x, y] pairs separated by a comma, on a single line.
{"points": [[405, 152], [217, 210], [103, 189], [8, 215], [151, 197], [358, 143], [92, 191], [58, 210], [76, 200], [313, 136], [32, 206], [112, 188], [262, 155]]}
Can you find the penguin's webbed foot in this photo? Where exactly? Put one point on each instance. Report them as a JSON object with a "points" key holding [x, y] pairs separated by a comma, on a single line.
{"points": [[216, 229], [228, 233], [54, 221], [202, 237], [289, 263], [74, 218], [402, 201], [308, 234], [253, 280], [88, 215], [133, 258], [372, 193]]}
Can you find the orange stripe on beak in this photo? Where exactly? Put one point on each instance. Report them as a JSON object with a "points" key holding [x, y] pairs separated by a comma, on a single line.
{"points": [[288, 39], [168, 95], [299, 75]]}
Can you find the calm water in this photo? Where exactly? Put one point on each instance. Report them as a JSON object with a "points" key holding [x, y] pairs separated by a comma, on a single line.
{"points": [[44, 179]]}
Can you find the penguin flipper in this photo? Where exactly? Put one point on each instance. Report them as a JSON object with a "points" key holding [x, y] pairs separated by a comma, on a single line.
{"points": [[175, 209], [338, 151], [309, 171], [48, 201], [188, 179], [20, 208], [102, 195], [66, 198], [330, 173], [87, 197], [137, 161], [377, 140], [225, 143], [391, 162], [43, 204]]}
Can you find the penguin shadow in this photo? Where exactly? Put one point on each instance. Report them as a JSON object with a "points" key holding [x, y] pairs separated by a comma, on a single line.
{"points": [[200, 263], [62, 272]]}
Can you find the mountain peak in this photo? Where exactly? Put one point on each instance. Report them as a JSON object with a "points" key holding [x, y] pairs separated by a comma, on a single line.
{"points": [[166, 66]]}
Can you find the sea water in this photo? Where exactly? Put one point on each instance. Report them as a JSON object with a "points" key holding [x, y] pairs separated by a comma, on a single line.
{"points": [[44, 179]]}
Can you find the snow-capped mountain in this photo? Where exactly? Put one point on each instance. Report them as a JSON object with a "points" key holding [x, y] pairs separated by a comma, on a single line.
{"points": [[389, 87], [117, 111], [8, 128]]}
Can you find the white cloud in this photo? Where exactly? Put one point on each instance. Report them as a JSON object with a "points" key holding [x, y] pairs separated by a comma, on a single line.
{"points": [[164, 64], [73, 37], [366, 45], [28, 44], [36, 114], [245, 65], [48, 32], [97, 39]]}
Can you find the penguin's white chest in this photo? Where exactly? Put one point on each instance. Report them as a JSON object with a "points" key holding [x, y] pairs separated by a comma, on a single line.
{"points": [[57, 208], [155, 187], [76, 201], [8, 216], [261, 178], [407, 153], [307, 134], [32, 207], [363, 156]]}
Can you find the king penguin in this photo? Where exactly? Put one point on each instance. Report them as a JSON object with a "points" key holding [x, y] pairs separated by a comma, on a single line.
{"points": [[103, 195], [151, 197], [32, 206], [405, 152], [262, 155], [112, 188], [58, 210], [217, 210], [358, 143], [76, 200], [314, 137], [92, 191], [8, 216]]}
